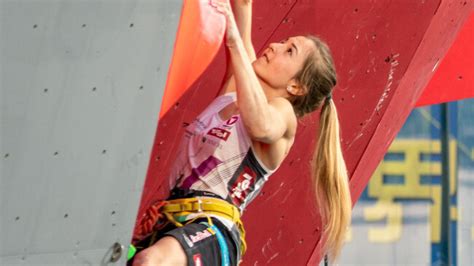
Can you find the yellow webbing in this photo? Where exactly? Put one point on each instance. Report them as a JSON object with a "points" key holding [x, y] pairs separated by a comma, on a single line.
{"points": [[204, 206]]}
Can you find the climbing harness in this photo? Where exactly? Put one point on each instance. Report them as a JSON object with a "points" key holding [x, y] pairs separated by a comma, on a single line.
{"points": [[175, 211]]}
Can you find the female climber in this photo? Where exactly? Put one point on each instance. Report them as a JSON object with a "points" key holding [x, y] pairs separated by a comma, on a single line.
{"points": [[229, 151]]}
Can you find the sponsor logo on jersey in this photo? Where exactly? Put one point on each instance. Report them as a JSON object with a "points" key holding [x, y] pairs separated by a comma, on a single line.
{"points": [[219, 133], [197, 259], [200, 236], [188, 241], [242, 185], [231, 121]]}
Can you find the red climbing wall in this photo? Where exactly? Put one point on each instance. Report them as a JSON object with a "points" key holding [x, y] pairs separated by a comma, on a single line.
{"points": [[385, 52], [454, 77]]}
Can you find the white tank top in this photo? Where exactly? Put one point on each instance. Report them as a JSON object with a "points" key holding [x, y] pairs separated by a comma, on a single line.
{"points": [[217, 156]]}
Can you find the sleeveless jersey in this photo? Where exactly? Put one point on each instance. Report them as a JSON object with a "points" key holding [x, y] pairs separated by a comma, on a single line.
{"points": [[217, 156]]}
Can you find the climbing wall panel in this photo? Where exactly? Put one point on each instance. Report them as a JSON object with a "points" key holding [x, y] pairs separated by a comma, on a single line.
{"points": [[454, 77], [81, 89]]}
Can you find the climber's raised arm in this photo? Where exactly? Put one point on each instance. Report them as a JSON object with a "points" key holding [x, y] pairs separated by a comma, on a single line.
{"points": [[242, 10], [243, 17], [266, 121]]}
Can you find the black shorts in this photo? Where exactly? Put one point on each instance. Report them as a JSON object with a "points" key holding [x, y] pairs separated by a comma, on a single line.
{"points": [[199, 243]]}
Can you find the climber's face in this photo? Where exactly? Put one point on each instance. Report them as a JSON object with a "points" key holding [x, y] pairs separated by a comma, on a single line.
{"points": [[280, 62]]}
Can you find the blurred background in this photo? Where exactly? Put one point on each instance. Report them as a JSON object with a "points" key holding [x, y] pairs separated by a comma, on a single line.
{"points": [[397, 219]]}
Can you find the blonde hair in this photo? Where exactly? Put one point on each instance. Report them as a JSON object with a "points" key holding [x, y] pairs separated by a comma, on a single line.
{"points": [[328, 168]]}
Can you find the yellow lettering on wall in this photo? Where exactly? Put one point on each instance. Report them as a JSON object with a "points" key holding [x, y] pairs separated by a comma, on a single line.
{"points": [[385, 209], [411, 168], [454, 213]]}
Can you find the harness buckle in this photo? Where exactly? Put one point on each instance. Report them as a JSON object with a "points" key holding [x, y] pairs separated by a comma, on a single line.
{"points": [[199, 201]]}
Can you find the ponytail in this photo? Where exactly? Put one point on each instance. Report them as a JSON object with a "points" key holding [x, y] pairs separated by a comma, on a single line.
{"points": [[331, 182], [328, 169]]}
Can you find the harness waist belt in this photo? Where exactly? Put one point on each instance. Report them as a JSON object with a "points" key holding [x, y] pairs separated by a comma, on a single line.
{"points": [[199, 204], [205, 205]]}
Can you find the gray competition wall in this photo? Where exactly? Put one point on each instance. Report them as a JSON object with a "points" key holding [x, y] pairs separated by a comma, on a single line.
{"points": [[81, 89]]}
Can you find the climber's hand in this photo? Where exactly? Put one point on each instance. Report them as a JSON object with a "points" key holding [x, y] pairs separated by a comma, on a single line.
{"points": [[232, 32]]}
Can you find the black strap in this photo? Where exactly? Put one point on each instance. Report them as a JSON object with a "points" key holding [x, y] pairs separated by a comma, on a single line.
{"points": [[179, 193]]}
